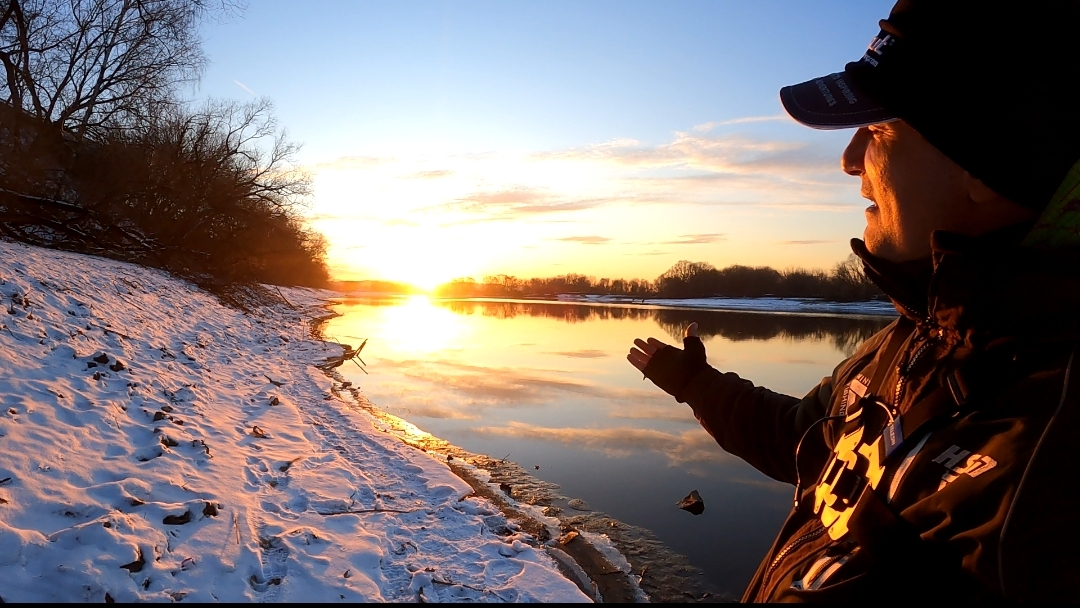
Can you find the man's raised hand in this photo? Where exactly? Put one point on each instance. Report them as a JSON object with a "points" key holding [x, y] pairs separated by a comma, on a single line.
{"points": [[668, 367]]}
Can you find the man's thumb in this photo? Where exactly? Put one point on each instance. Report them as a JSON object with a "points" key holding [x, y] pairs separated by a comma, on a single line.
{"points": [[693, 345], [691, 330]]}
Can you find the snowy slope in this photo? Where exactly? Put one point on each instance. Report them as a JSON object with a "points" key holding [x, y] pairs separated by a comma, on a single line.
{"points": [[155, 445]]}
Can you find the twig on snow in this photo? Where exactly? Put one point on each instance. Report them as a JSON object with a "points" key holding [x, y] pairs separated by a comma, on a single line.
{"points": [[362, 511], [283, 298], [453, 584]]}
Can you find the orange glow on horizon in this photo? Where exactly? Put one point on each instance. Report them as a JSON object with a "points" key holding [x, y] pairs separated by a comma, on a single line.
{"points": [[617, 210]]}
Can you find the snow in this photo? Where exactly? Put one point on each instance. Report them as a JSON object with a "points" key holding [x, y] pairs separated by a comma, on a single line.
{"points": [[773, 305], [158, 446]]}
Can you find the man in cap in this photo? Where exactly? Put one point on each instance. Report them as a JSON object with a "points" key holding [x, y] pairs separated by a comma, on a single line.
{"points": [[936, 461]]}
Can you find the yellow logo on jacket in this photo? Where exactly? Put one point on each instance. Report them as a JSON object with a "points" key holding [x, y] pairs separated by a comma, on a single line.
{"points": [[855, 464]]}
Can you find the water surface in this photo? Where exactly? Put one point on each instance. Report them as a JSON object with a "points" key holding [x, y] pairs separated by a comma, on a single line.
{"points": [[547, 385]]}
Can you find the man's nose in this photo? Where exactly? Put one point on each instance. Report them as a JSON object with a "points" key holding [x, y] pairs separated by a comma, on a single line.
{"points": [[851, 161]]}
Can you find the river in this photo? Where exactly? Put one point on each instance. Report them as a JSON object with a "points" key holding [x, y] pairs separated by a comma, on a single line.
{"points": [[547, 385]]}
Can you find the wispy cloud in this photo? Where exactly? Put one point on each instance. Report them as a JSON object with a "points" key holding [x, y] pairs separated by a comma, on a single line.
{"points": [[719, 154], [585, 240], [436, 174], [709, 126], [515, 203], [581, 354], [400, 222], [694, 239]]}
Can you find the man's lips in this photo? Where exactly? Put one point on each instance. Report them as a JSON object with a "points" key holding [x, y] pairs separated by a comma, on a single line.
{"points": [[867, 196], [868, 193]]}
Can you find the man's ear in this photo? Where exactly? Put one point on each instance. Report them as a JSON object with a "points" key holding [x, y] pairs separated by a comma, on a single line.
{"points": [[978, 191], [995, 207]]}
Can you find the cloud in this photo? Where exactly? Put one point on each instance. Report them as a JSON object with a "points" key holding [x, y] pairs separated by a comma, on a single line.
{"points": [[654, 252], [709, 126], [694, 239], [514, 203], [581, 354], [584, 240], [735, 154], [400, 222], [439, 173], [694, 445], [699, 166], [709, 165]]}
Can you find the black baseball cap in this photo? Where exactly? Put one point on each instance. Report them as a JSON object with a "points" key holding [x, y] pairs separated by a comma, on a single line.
{"points": [[989, 83]]}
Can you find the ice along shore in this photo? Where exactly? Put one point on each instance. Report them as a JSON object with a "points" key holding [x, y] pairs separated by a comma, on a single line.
{"points": [[157, 445]]}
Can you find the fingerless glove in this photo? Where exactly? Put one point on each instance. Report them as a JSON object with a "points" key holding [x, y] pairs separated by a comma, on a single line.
{"points": [[672, 368]]}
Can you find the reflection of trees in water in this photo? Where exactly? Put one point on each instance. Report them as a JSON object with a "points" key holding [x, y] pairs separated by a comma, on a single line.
{"points": [[372, 301], [846, 333], [571, 313]]}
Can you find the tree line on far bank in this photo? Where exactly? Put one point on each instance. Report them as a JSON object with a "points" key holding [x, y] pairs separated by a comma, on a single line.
{"points": [[99, 153], [845, 282]]}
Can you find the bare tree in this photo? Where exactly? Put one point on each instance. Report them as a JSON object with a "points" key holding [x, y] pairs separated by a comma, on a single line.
{"points": [[90, 65]]}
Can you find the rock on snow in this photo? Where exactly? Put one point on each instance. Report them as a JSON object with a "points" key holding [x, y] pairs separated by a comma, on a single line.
{"points": [[155, 445]]}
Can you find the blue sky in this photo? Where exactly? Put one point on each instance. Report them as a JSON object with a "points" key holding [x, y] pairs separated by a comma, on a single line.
{"points": [[593, 132]]}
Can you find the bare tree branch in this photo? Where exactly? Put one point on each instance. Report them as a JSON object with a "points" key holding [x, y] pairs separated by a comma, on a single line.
{"points": [[91, 65]]}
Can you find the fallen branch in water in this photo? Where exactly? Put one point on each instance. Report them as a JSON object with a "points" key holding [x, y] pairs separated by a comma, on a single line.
{"points": [[348, 355]]}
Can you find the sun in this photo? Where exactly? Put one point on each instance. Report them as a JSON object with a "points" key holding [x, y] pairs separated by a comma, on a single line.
{"points": [[421, 258], [423, 274]]}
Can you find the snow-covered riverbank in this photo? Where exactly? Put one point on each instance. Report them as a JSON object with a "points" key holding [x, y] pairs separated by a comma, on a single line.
{"points": [[156, 445]]}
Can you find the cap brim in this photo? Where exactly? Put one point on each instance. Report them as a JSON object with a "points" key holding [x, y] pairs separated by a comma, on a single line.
{"points": [[835, 101]]}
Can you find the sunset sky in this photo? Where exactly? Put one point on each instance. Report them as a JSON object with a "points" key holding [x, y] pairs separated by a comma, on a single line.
{"points": [[612, 139]]}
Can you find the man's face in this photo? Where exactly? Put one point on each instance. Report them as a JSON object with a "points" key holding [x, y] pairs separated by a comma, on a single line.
{"points": [[914, 187]]}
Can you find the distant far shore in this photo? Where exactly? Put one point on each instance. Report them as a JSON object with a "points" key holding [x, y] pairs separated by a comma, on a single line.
{"points": [[878, 308]]}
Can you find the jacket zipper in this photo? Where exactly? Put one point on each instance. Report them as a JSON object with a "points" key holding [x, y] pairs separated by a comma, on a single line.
{"points": [[822, 571], [903, 371], [787, 550]]}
